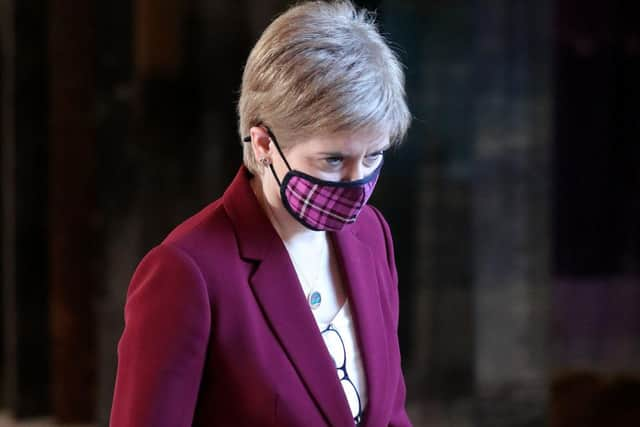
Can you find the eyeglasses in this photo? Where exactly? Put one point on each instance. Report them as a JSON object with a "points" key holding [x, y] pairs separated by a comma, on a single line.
{"points": [[338, 353]]}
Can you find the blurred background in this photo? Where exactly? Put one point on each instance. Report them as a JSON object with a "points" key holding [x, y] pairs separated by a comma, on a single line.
{"points": [[513, 202]]}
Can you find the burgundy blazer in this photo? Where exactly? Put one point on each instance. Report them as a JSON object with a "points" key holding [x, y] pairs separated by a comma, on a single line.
{"points": [[218, 331]]}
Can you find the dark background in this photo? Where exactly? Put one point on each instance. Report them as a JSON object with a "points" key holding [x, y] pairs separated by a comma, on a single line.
{"points": [[513, 202]]}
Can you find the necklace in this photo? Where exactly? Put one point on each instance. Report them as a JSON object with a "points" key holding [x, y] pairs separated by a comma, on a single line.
{"points": [[313, 295]]}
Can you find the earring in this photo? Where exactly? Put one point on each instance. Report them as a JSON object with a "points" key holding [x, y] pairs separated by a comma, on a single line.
{"points": [[265, 161]]}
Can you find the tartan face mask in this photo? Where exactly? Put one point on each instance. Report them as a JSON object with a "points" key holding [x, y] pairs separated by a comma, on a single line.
{"points": [[323, 205]]}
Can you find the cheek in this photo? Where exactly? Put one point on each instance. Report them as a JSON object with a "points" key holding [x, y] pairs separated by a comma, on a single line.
{"points": [[270, 189], [270, 186], [280, 168]]}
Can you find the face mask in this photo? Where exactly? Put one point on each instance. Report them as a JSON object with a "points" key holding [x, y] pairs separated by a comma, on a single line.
{"points": [[322, 205]]}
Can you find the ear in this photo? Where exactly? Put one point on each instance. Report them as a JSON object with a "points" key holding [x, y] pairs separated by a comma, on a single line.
{"points": [[260, 143]]}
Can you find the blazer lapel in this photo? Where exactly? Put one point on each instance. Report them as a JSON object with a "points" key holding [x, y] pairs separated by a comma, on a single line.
{"points": [[359, 273], [276, 287], [277, 290]]}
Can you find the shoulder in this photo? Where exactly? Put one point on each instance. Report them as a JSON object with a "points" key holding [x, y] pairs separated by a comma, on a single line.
{"points": [[372, 228], [182, 253], [206, 231], [201, 243], [375, 230], [194, 254]]}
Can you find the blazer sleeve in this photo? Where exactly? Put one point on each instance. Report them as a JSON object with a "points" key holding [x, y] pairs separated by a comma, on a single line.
{"points": [[162, 349], [399, 416]]}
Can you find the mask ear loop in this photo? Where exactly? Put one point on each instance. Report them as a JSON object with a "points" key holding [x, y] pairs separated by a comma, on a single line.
{"points": [[275, 142]]}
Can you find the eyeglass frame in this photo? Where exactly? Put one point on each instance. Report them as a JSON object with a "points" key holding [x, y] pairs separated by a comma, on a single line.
{"points": [[330, 328]]}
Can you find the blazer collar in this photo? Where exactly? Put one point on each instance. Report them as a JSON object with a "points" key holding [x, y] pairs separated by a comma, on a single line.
{"points": [[251, 225], [277, 290]]}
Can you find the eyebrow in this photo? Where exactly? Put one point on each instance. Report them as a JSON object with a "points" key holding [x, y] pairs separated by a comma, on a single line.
{"points": [[385, 147], [332, 154], [341, 154]]}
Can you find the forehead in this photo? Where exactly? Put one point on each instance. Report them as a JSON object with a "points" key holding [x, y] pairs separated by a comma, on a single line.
{"points": [[348, 143]]}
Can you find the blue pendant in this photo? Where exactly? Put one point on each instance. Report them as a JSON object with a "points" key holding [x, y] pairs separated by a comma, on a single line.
{"points": [[315, 299]]}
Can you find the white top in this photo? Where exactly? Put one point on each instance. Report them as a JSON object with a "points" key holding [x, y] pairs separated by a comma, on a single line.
{"points": [[321, 267]]}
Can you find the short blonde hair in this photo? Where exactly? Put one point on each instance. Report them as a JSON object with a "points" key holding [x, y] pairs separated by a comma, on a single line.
{"points": [[322, 68]]}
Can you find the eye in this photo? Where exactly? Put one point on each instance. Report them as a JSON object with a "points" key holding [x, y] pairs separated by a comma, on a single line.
{"points": [[374, 157], [334, 160]]}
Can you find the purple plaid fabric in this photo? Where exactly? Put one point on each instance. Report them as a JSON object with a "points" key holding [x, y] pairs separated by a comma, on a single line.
{"points": [[325, 207]]}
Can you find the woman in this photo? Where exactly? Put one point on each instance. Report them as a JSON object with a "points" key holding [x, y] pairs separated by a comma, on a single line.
{"points": [[277, 304]]}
